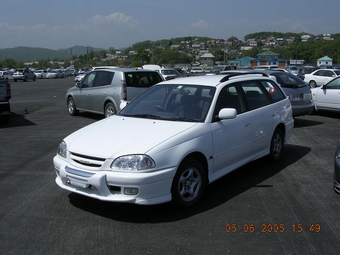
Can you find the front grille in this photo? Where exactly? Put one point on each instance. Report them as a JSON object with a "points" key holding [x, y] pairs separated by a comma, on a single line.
{"points": [[87, 160]]}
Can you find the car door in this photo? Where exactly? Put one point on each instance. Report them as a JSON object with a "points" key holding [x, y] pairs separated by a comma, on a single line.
{"points": [[328, 96], [231, 137], [103, 89], [322, 76], [82, 96], [263, 114]]}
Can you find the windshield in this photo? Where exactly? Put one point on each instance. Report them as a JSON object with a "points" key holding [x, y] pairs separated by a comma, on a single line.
{"points": [[171, 102]]}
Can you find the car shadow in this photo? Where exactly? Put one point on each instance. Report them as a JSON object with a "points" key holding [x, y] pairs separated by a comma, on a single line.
{"points": [[16, 120], [216, 194], [300, 123]]}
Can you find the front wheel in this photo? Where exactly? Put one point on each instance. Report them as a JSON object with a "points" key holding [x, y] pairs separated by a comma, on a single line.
{"points": [[109, 110], [312, 84], [189, 183], [276, 145], [71, 107]]}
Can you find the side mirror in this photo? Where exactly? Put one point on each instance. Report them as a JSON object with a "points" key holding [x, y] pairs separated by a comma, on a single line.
{"points": [[227, 113], [78, 84]]}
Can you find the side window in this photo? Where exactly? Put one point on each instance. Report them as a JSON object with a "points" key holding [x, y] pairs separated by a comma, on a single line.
{"points": [[334, 84], [229, 97], [274, 91], [255, 95], [88, 80], [103, 78]]}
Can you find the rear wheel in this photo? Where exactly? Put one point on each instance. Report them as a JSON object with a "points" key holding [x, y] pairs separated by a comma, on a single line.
{"points": [[71, 107], [189, 183], [276, 146], [109, 110]]}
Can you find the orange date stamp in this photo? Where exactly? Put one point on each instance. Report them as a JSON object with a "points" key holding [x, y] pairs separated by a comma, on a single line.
{"points": [[272, 228]]}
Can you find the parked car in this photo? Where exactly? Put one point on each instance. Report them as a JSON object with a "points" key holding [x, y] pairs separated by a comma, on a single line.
{"points": [[293, 70], [40, 74], [103, 90], [170, 73], [175, 138], [196, 70], [321, 76], [337, 168], [23, 74], [327, 97], [6, 75], [54, 74], [80, 77], [295, 88]]}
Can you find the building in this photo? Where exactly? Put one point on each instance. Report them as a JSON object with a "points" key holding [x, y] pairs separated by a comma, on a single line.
{"points": [[207, 59], [324, 61]]}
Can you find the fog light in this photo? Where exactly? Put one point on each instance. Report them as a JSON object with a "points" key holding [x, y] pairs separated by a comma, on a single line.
{"points": [[130, 191]]}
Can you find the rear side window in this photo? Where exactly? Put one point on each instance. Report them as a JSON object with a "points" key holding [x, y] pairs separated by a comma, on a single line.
{"points": [[142, 79], [255, 95], [274, 91]]}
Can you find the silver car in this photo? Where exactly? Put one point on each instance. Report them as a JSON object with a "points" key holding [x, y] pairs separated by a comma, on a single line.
{"points": [[23, 74], [337, 168], [102, 91]]}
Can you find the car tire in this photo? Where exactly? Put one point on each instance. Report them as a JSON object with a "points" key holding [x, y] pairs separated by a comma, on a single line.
{"points": [[34, 78], [71, 107], [312, 84], [25, 79], [189, 183], [276, 145], [15, 80], [109, 110]]}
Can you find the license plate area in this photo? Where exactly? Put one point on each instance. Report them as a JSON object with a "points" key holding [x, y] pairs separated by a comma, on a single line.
{"points": [[77, 182], [297, 97]]}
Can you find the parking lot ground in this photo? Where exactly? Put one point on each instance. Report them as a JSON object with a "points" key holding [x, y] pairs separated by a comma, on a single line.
{"points": [[264, 207]]}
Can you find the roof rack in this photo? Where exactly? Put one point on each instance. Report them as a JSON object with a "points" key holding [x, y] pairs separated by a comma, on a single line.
{"points": [[235, 73]]}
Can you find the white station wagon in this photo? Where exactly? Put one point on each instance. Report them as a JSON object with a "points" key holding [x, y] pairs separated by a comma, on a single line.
{"points": [[175, 138]]}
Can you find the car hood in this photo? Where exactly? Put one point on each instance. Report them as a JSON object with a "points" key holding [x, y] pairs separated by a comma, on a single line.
{"points": [[119, 135]]}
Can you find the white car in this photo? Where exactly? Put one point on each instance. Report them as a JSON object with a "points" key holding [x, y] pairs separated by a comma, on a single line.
{"points": [[327, 97], [175, 138], [320, 77], [196, 70], [40, 74]]}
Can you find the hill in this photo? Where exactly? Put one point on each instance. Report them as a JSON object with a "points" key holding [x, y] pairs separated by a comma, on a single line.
{"points": [[30, 54]]}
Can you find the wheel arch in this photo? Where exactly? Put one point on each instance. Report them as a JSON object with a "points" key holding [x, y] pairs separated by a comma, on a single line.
{"points": [[201, 158], [109, 100]]}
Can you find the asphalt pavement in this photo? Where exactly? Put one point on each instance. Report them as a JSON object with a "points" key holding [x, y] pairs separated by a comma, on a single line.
{"points": [[288, 207]]}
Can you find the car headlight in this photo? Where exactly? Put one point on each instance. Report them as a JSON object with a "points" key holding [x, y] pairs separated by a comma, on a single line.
{"points": [[133, 162], [62, 149]]}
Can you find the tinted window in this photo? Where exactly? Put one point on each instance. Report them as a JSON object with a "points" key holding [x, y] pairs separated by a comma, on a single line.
{"points": [[289, 81], [229, 98], [273, 90], [103, 78], [142, 79], [255, 95]]}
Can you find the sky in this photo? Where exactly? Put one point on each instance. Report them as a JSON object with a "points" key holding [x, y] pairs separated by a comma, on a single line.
{"points": [[62, 24]]}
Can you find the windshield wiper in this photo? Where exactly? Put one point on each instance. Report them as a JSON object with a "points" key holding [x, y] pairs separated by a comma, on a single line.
{"points": [[145, 115], [183, 119]]}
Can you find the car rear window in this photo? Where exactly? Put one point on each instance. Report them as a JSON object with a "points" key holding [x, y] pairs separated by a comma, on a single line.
{"points": [[142, 79], [289, 81]]}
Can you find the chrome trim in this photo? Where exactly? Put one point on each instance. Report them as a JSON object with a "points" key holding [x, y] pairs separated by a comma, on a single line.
{"points": [[78, 172]]}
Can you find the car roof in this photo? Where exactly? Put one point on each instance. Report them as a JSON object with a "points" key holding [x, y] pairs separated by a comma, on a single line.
{"points": [[215, 80], [126, 69]]}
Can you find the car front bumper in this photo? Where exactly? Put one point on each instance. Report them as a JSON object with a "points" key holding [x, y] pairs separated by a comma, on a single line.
{"points": [[138, 188]]}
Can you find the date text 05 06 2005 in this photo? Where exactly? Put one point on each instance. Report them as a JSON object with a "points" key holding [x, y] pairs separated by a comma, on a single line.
{"points": [[272, 228]]}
